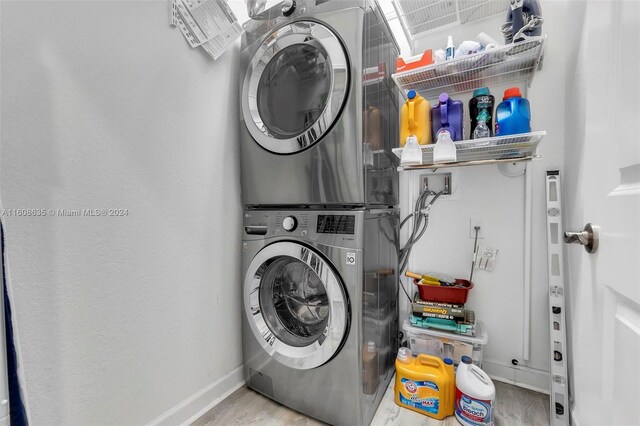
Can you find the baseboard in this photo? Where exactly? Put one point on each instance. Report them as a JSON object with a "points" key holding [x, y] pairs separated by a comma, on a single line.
{"points": [[525, 377], [202, 401]]}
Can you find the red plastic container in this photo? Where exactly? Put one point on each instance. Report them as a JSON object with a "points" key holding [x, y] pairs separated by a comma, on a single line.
{"points": [[444, 294], [423, 61]]}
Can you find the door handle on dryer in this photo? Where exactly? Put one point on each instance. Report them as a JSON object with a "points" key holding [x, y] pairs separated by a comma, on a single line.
{"points": [[256, 229]]}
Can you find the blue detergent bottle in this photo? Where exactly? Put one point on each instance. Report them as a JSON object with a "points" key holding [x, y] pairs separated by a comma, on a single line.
{"points": [[513, 115]]}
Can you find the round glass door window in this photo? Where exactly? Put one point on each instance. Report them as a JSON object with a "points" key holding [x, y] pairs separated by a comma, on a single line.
{"points": [[294, 302], [296, 305], [295, 87]]}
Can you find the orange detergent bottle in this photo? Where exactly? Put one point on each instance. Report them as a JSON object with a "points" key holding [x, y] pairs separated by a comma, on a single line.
{"points": [[415, 119], [425, 384]]}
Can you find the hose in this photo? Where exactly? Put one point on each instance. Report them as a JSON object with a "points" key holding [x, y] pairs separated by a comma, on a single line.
{"points": [[420, 216]]}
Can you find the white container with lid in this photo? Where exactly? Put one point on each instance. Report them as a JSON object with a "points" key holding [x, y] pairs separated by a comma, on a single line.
{"points": [[475, 395], [446, 345]]}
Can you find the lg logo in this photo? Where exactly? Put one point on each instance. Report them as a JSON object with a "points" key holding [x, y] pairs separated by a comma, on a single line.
{"points": [[351, 258]]}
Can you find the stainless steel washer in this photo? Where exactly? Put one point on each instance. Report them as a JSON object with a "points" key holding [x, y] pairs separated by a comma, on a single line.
{"points": [[320, 315], [297, 305], [319, 109]]}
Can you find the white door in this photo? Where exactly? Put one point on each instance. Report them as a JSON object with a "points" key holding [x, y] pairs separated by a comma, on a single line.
{"points": [[602, 187]]}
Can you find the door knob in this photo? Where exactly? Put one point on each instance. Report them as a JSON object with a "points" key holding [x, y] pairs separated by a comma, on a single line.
{"points": [[588, 237]]}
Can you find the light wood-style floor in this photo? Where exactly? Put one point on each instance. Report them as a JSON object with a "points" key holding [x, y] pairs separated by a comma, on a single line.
{"points": [[514, 407]]}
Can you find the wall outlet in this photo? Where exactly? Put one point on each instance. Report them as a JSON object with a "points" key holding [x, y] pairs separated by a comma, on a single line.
{"points": [[472, 231], [485, 258], [436, 182]]}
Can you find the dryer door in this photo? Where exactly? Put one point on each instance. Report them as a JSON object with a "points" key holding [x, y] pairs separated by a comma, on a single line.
{"points": [[296, 305], [295, 87]]}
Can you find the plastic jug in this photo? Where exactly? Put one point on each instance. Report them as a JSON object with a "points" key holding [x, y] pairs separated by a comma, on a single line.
{"points": [[425, 384], [475, 395], [447, 115], [370, 374], [411, 153], [414, 119], [445, 149], [513, 115], [373, 127]]}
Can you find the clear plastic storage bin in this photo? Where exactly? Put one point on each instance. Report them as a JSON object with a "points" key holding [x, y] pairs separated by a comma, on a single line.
{"points": [[446, 345]]}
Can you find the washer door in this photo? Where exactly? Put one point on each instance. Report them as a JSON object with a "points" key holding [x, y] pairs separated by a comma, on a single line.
{"points": [[295, 87], [296, 305]]}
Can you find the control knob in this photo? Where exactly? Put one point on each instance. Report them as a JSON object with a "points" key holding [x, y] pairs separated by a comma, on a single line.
{"points": [[289, 223], [288, 7]]}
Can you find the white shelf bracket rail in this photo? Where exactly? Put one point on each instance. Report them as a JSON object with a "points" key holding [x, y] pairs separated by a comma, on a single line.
{"points": [[528, 190], [539, 62], [559, 383]]}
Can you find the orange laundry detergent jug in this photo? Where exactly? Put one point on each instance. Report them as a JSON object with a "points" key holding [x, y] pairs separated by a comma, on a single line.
{"points": [[425, 384], [415, 119]]}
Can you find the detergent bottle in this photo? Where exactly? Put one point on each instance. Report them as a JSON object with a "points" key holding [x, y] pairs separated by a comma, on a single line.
{"points": [[475, 395], [370, 373], [424, 384], [415, 119], [481, 113], [448, 115], [373, 127], [513, 114]]}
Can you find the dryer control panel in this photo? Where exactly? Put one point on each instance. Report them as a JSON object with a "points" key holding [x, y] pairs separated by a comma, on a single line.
{"points": [[336, 224]]}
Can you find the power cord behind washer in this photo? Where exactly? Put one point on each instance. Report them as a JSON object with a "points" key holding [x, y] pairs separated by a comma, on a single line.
{"points": [[420, 216]]}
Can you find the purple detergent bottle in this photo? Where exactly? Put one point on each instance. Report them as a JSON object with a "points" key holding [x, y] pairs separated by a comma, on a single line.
{"points": [[447, 115]]}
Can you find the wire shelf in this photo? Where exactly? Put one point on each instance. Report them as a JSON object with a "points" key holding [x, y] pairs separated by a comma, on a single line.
{"points": [[423, 17], [499, 149], [518, 61]]}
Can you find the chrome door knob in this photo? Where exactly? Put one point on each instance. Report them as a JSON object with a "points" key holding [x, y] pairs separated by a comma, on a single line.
{"points": [[289, 223], [588, 237]]}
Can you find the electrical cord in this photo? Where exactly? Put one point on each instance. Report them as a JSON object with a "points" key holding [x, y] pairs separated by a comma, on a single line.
{"points": [[475, 250], [420, 216]]}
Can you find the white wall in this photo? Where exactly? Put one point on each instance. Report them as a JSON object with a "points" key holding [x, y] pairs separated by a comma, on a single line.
{"points": [[120, 319], [497, 201]]}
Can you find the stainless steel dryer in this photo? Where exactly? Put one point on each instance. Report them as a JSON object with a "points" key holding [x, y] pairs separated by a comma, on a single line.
{"points": [[320, 315], [318, 107]]}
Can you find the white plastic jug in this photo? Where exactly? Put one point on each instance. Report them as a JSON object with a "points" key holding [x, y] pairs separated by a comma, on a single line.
{"points": [[475, 395], [411, 153], [445, 149]]}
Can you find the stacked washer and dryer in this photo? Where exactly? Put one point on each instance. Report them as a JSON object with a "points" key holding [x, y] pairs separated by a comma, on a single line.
{"points": [[320, 186]]}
